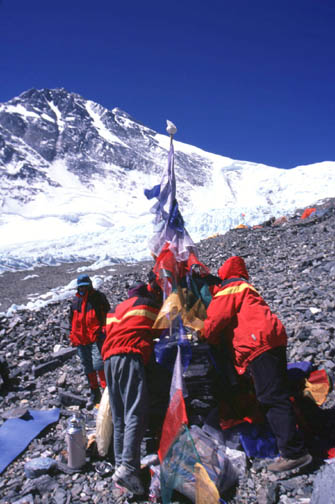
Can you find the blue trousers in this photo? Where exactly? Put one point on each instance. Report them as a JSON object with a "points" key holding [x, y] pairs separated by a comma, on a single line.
{"points": [[125, 376], [90, 357]]}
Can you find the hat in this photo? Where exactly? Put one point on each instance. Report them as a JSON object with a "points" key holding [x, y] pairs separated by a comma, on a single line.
{"points": [[83, 280], [137, 289]]}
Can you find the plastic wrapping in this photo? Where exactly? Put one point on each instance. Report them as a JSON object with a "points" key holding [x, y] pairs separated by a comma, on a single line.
{"points": [[191, 447], [104, 425], [214, 459], [155, 484], [177, 468]]}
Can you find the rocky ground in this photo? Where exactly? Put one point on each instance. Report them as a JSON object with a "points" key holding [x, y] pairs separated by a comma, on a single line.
{"points": [[292, 264]]}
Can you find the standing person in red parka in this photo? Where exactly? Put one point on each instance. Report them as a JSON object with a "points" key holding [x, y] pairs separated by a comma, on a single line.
{"points": [[88, 318], [257, 341], [126, 351]]}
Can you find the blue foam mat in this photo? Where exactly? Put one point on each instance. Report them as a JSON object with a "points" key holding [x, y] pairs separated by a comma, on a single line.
{"points": [[16, 433]]}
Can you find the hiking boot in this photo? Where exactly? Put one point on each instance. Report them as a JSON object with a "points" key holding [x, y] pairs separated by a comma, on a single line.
{"points": [[95, 398], [286, 464], [129, 480]]}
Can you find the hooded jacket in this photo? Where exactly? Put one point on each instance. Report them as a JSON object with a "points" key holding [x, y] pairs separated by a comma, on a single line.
{"points": [[129, 328], [88, 317], [239, 314]]}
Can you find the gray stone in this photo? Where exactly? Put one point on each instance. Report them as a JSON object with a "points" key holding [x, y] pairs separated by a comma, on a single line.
{"points": [[47, 366], [61, 382], [324, 486], [27, 499], [268, 494], [64, 354], [69, 399], [38, 466], [14, 413], [42, 484], [60, 496]]}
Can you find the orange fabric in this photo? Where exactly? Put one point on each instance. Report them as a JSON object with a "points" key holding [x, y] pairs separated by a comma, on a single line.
{"points": [[317, 386], [307, 212]]}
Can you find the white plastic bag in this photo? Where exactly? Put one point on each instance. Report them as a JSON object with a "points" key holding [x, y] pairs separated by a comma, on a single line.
{"points": [[238, 459], [104, 425]]}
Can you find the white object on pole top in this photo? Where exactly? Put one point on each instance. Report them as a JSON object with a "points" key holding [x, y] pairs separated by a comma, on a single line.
{"points": [[171, 128]]}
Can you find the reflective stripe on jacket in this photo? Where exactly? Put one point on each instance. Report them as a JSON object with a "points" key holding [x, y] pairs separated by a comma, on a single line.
{"points": [[129, 328], [239, 314]]}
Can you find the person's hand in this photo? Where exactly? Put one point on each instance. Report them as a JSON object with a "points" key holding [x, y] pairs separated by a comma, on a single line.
{"points": [[199, 334]]}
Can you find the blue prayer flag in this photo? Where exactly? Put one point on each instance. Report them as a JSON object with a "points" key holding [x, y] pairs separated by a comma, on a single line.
{"points": [[169, 224]]}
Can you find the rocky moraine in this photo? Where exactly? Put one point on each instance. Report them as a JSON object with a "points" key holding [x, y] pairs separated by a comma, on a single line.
{"points": [[291, 263]]}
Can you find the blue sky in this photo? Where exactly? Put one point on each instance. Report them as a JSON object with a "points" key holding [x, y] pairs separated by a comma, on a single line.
{"points": [[249, 79]]}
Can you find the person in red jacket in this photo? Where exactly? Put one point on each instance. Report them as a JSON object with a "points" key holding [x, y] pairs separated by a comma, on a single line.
{"points": [[87, 318], [257, 340], [126, 350]]}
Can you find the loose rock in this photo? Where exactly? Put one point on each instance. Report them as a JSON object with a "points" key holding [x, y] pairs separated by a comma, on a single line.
{"points": [[291, 264]]}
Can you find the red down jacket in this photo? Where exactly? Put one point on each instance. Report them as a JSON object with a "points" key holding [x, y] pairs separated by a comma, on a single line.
{"points": [[129, 328], [239, 314], [88, 317]]}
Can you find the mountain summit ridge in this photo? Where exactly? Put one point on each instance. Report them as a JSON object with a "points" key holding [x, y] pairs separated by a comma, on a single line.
{"points": [[40, 127], [73, 175]]}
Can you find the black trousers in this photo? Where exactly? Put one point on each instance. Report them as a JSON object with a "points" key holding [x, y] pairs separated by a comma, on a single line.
{"points": [[269, 373]]}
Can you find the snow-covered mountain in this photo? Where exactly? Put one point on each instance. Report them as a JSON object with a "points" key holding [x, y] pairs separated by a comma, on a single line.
{"points": [[41, 128], [73, 175]]}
